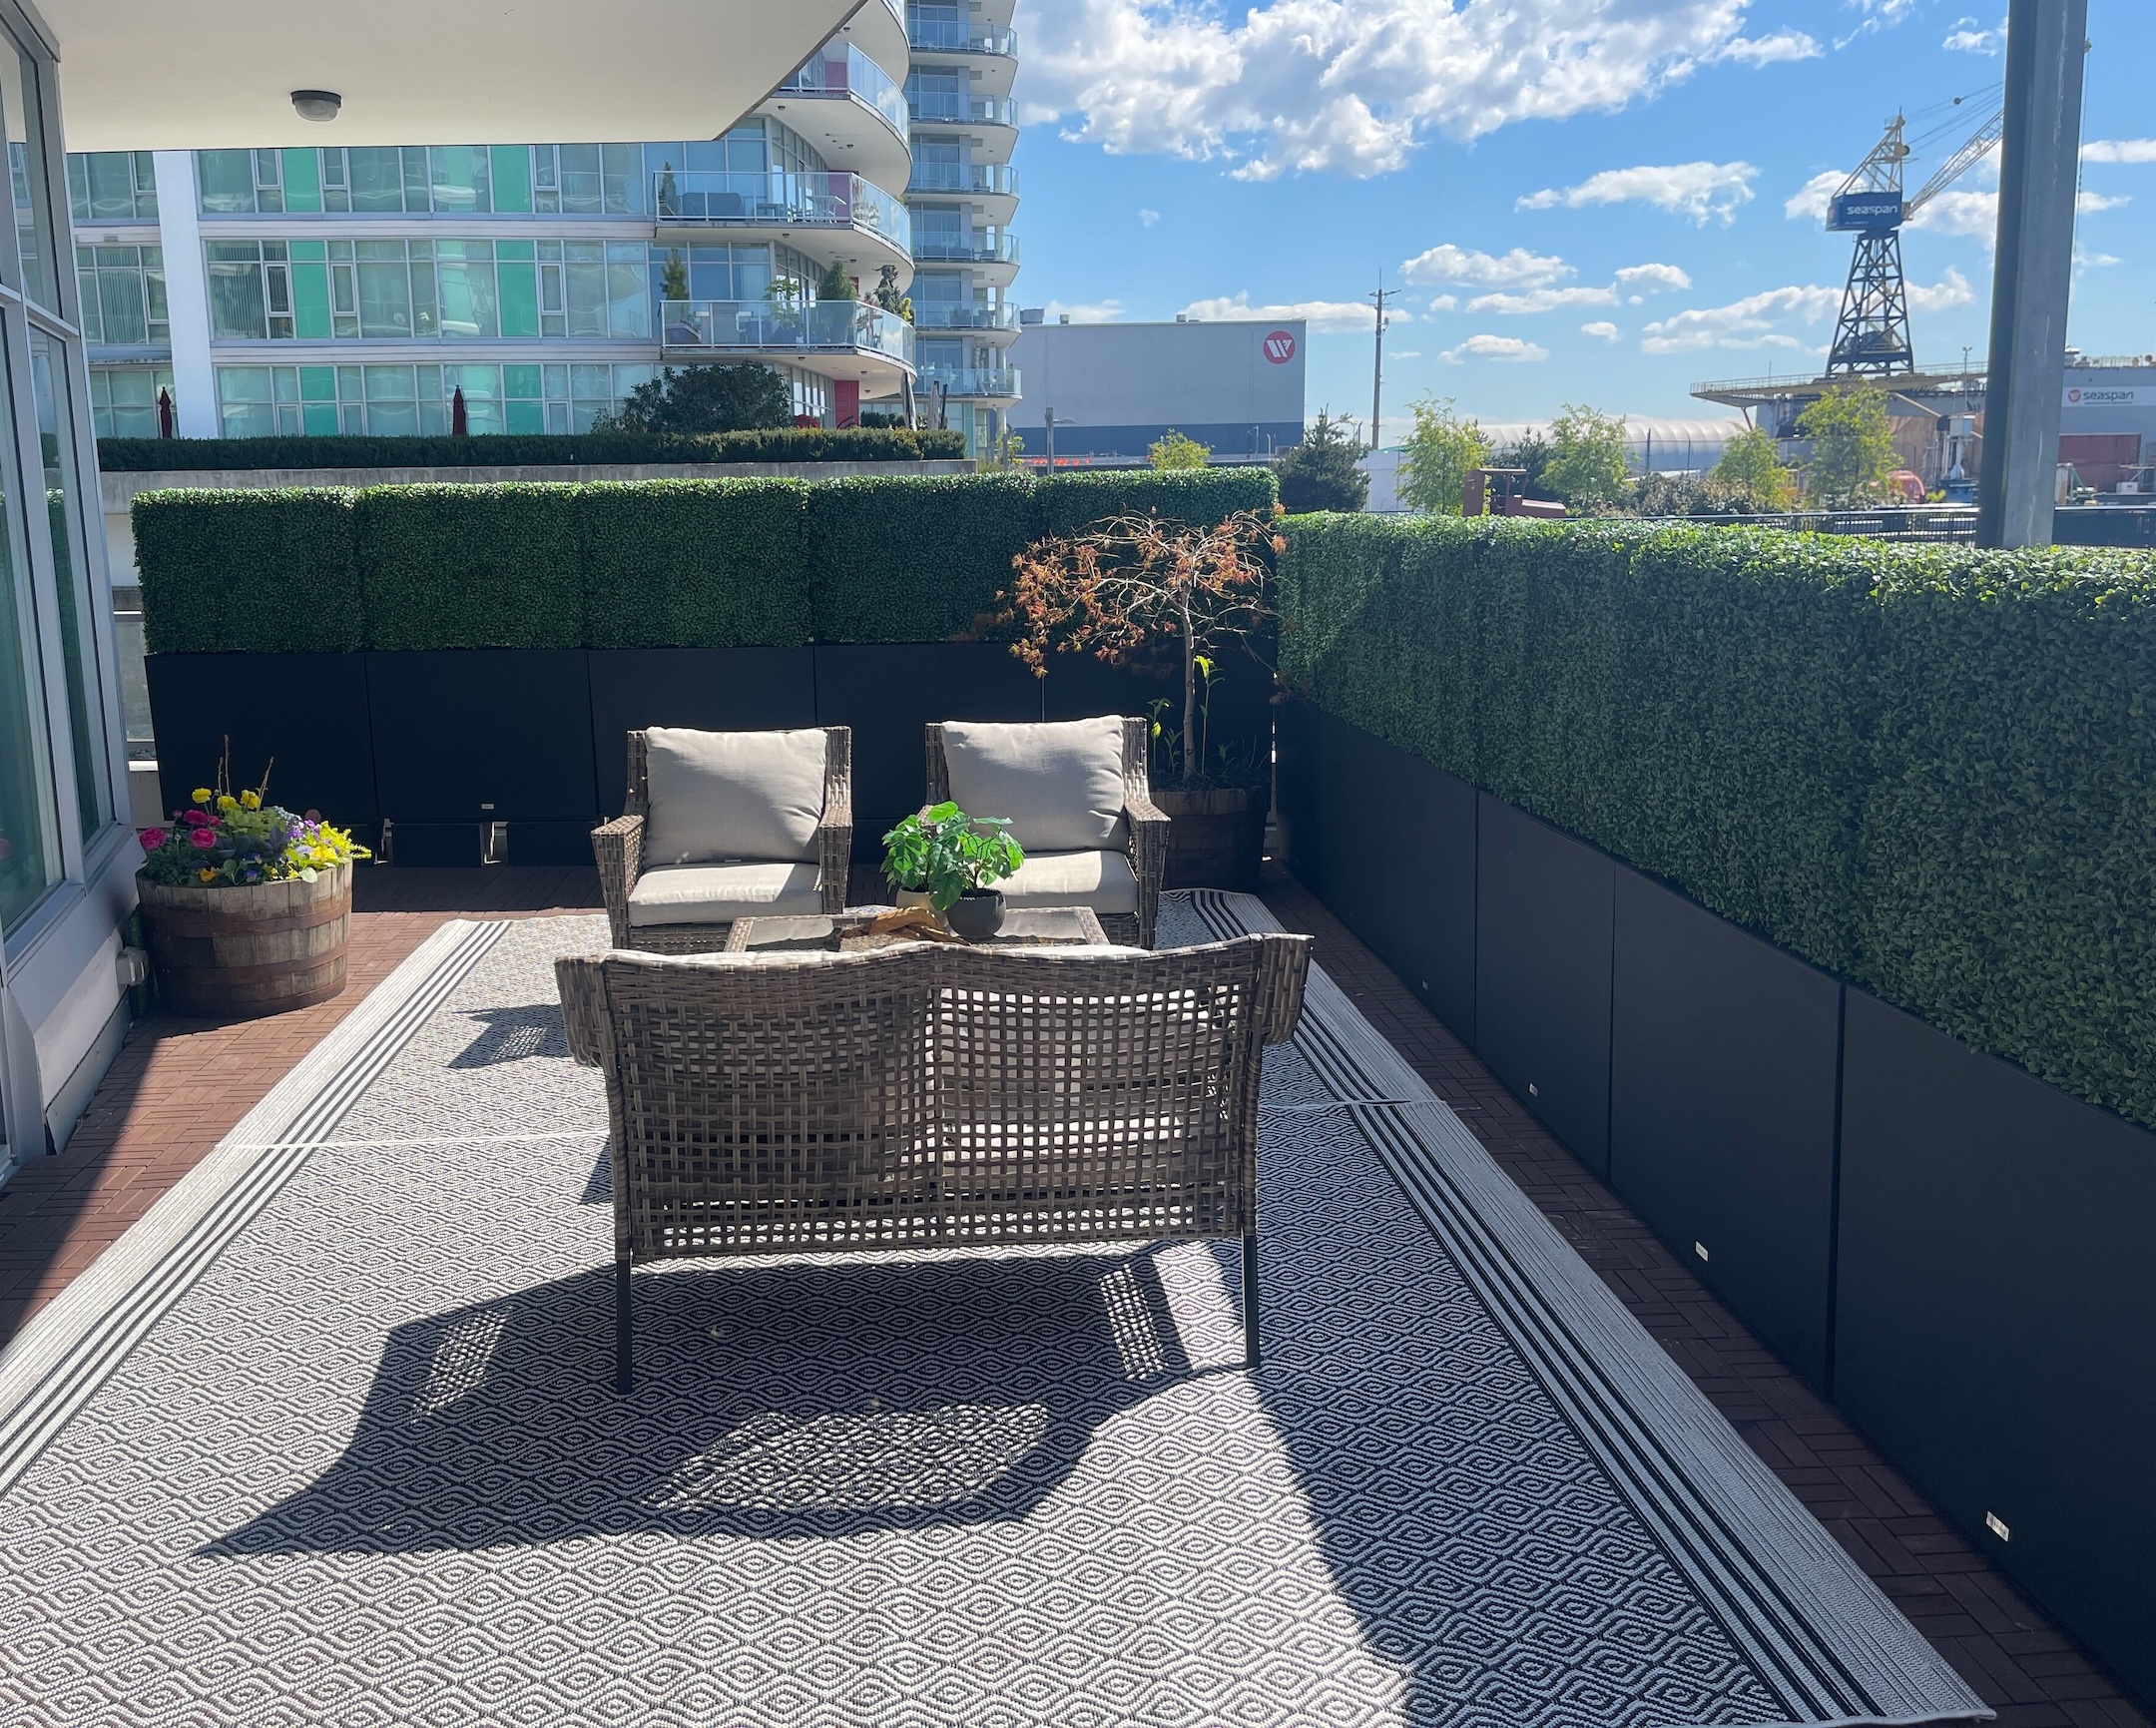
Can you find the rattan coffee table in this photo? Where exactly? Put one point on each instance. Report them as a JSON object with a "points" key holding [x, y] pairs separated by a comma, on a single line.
{"points": [[1023, 927]]}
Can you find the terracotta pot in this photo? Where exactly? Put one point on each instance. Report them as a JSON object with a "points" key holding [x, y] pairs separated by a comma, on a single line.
{"points": [[976, 915], [235, 953], [1216, 839]]}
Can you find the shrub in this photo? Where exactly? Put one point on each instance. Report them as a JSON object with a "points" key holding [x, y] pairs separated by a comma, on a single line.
{"points": [[1928, 769], [694, 563], [1323, 472], [1072, 503], [911, 560], [470, 566], [770, 444], [262, 572], [701, 399]]}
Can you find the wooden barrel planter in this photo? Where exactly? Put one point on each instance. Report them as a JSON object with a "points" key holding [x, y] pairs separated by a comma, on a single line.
{"points": [[1216, 839], [235, 953]]}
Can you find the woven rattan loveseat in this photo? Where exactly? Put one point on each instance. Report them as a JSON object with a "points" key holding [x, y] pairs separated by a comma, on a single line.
{"points": [[1137, 833], [624, 855], [924, 1095]]}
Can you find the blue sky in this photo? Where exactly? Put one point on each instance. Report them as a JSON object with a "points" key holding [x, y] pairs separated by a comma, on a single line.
{"points": [[1612, 181]]}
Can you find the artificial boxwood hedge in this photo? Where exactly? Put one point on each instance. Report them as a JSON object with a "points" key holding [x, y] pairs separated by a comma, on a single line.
{"points": [[1928, 769], [646, 565], [507, 450]]}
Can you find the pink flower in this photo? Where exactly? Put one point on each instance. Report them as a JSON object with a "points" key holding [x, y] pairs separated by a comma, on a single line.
{"points": [[204, 839], [194, 818], [153, 838]]}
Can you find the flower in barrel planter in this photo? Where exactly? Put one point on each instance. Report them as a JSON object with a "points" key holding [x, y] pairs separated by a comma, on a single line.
{"points": [[954, 860], [1129, 586], [247, 905]]}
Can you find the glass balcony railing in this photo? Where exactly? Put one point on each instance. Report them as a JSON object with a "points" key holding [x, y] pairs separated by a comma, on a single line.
{"points": [[980, 178], [959, 36], [971, 380], [934, 316], [793, 199], [982, 246], [851, 74], [859, 326], [940, 104]]}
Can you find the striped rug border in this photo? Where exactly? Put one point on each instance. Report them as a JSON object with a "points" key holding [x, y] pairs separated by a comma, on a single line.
{"points": [[56, 1363], [1819, 1632]]}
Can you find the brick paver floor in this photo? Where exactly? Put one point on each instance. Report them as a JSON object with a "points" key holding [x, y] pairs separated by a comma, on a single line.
{"points": [[179, 1085]]}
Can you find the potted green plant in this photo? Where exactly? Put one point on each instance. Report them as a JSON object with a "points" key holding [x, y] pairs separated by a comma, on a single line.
{"points": [[950, 861], [247, 906], [1135, 587]]}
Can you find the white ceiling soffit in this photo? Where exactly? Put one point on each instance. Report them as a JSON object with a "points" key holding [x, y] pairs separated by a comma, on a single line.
{"points": [[215, 74]]}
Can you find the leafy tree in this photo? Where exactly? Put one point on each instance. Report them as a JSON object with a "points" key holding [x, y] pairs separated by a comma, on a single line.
{"points": [[673, 276], [1531, 455], [1436, 456], [704, 400], [1321, 472], [1853, 449], [1587, 457], [889, 296], [1750, 465], [838, 286], [1176, 451]]}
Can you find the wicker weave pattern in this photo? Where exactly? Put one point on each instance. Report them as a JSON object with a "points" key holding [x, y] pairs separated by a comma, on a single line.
{"points": [[932, 1095], [618, 848], [1147, 824]]}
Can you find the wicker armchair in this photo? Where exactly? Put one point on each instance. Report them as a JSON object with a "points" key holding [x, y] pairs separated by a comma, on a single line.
{"points": [[619, 848], [924, 1095], [1145, 841]]}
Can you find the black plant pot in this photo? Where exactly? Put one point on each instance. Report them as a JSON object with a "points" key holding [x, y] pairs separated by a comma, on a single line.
{"points": [[976, 915]]}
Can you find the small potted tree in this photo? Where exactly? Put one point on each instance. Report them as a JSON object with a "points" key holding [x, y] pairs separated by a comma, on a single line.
{"points": [[1137, 584], [247, 906], [949, 861]]}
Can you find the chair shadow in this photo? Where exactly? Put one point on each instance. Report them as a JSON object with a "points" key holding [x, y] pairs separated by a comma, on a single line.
{"points": [[773, 1399], [515, 1036]]}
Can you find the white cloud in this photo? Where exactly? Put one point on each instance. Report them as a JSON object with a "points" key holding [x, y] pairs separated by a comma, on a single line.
{"points": [[1147, 217], [1970, 37], [1975, 214], [1652, 278], [1602, 331], [2087, 203], [1407, 354], [1323, 316], [1083, 311], [2119, 150], [1490, 348], [1542, 300], [1356, 85], [1809, 202], [1518, 267], [1443, 302], [1696, 188], [1746, 323], [1878, 15], [2092, 260], [1951, 290]]}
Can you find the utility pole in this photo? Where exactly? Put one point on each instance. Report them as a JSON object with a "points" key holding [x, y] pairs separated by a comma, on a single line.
{"points": [[1377, 389], [2039, 162]]}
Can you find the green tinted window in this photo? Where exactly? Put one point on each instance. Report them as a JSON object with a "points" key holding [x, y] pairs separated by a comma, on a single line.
{"points": [[227, 180], [302, 181], [511, 174]]}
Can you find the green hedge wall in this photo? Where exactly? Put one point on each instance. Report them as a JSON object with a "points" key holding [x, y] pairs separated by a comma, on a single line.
{"points": [[1928, 769], [779, 444], [648, 564], [248, 572]]}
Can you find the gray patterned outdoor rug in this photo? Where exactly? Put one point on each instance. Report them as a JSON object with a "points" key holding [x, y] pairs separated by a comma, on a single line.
{"points": [[329, 1438]]}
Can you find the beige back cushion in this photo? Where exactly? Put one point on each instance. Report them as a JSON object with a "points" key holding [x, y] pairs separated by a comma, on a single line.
{"points": [[732, 795], [1060, 783]]}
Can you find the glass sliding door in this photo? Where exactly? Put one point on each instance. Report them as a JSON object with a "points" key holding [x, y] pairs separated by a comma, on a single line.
{"points": [[79, 607], [29, 833]]}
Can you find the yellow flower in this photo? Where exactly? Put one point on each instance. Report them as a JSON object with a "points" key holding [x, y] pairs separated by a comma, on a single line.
{"points": [[251, 799], [201, 795], [227, 804], [207, 875]]}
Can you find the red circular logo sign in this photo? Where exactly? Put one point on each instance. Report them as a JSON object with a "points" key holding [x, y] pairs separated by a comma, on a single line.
{"points": [[1278, 346]]}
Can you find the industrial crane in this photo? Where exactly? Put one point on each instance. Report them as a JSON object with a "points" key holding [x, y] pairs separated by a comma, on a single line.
{"points": [[1871, 336]]}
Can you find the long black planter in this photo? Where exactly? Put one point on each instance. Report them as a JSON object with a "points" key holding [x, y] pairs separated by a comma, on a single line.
{"points": [[1956, 1252]]}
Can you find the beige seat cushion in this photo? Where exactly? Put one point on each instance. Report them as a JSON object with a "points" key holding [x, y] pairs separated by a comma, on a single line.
{"points": [[1060, 783], [716, 796], [720, 893], [1100, 880]]}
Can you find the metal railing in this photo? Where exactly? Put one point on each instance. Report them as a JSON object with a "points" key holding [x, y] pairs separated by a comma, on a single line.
{"points": [[793, 199], [947, 316], [984, 246], [971, 380], [854, 75], [1942, 523], [959, 36], [859, 326], [964, 176], [948, 106]]}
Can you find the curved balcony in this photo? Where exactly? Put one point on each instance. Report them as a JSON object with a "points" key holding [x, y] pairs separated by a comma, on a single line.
{"points": [[854, 214], [836, 338], [880, 33], [949, 109], [960, 36], [992, 188], [851, 110], [971, 384], [946, 316]]}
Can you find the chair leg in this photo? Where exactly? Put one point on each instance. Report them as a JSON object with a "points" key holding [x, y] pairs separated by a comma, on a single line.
{"points": [[1250, 1300], [624, 1332]]}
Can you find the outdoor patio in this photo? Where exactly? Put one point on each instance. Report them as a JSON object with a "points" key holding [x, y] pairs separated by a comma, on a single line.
{"points": [[331, 1437]]}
